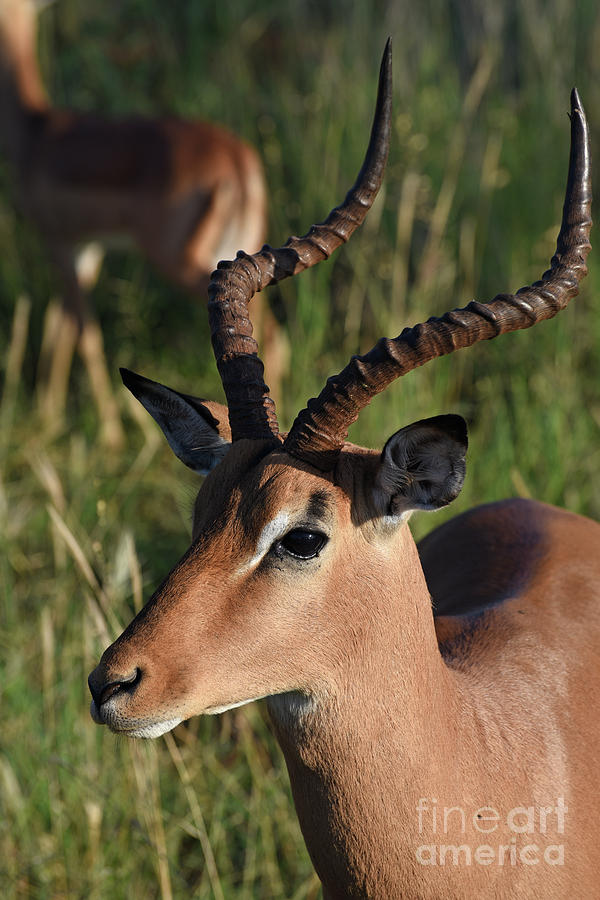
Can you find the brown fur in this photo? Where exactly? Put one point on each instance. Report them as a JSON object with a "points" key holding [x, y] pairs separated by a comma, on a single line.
{"points": [[370, 714]]}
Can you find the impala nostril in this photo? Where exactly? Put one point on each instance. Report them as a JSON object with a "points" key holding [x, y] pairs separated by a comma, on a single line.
{"points": [[108, 691], [122, 684]]}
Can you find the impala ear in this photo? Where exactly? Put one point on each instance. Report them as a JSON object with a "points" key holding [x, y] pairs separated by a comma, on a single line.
{"points": [[422, 466], [197, 430]]}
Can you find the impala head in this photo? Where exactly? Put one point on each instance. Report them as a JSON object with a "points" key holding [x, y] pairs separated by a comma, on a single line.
{"points": [[296, 537]]}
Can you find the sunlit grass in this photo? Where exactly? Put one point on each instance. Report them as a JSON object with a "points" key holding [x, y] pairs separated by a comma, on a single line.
{"points": [[471, 207]]}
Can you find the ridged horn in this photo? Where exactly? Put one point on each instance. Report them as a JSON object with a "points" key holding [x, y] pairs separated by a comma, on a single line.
{"points": [[234, 283]]}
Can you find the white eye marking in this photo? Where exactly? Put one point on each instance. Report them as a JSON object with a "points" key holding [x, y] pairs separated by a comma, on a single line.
{"points": [[272, 531]]}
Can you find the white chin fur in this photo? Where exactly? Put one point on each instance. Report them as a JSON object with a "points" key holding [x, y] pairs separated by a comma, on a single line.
{"points": [[140, 730], [153, 730]]}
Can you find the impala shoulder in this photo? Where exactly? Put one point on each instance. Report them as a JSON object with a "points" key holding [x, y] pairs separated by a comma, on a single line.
{"points": [[486, 555], [502, 551]]}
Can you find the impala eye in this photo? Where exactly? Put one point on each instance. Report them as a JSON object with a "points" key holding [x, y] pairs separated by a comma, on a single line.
{"points": [[303, 544]]}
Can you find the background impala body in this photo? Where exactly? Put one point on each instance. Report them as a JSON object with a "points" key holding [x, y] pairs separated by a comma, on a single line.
{"points": [[186, 193], [432, 752]]}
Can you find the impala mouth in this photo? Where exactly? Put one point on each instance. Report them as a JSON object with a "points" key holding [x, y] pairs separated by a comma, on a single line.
{"points": [[133, 728], [95, 714]]}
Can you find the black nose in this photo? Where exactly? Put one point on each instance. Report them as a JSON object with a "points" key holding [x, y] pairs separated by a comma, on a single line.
{"points": [[103, 687]]}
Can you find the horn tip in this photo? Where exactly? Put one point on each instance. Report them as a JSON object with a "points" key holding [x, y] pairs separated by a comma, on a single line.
{"points": [[576, 104], [386, 60]]}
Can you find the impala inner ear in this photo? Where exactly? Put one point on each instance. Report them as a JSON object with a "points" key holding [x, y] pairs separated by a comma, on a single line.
{"points": [[422, 466], [197, 430]]}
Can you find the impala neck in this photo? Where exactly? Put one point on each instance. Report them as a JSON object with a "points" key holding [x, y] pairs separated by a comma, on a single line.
{"points": [[390, 701], [22, 93]]}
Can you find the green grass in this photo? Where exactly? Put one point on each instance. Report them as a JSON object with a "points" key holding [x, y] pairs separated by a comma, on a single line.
{"points": [[471, 207]]}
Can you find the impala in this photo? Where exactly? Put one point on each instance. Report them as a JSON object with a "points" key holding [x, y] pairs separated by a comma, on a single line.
{"points": [[433, 752], [187, 193]]}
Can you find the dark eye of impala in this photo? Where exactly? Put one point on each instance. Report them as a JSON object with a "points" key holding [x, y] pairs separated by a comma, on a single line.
{"points": [[302, 543]]}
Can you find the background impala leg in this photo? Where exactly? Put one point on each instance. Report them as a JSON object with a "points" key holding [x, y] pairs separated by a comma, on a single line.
{"points": [[59, 339], [91, 349], [73, 325]]}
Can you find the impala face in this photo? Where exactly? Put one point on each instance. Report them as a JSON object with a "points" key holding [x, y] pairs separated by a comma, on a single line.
{"points": [[219, 631], [247, 612]]}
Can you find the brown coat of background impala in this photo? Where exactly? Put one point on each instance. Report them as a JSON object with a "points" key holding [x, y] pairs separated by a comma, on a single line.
{"points": [[471, 733], [186, 193]]}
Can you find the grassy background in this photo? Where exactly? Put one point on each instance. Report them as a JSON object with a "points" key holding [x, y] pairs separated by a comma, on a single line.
{"points": [[471, 206]]}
